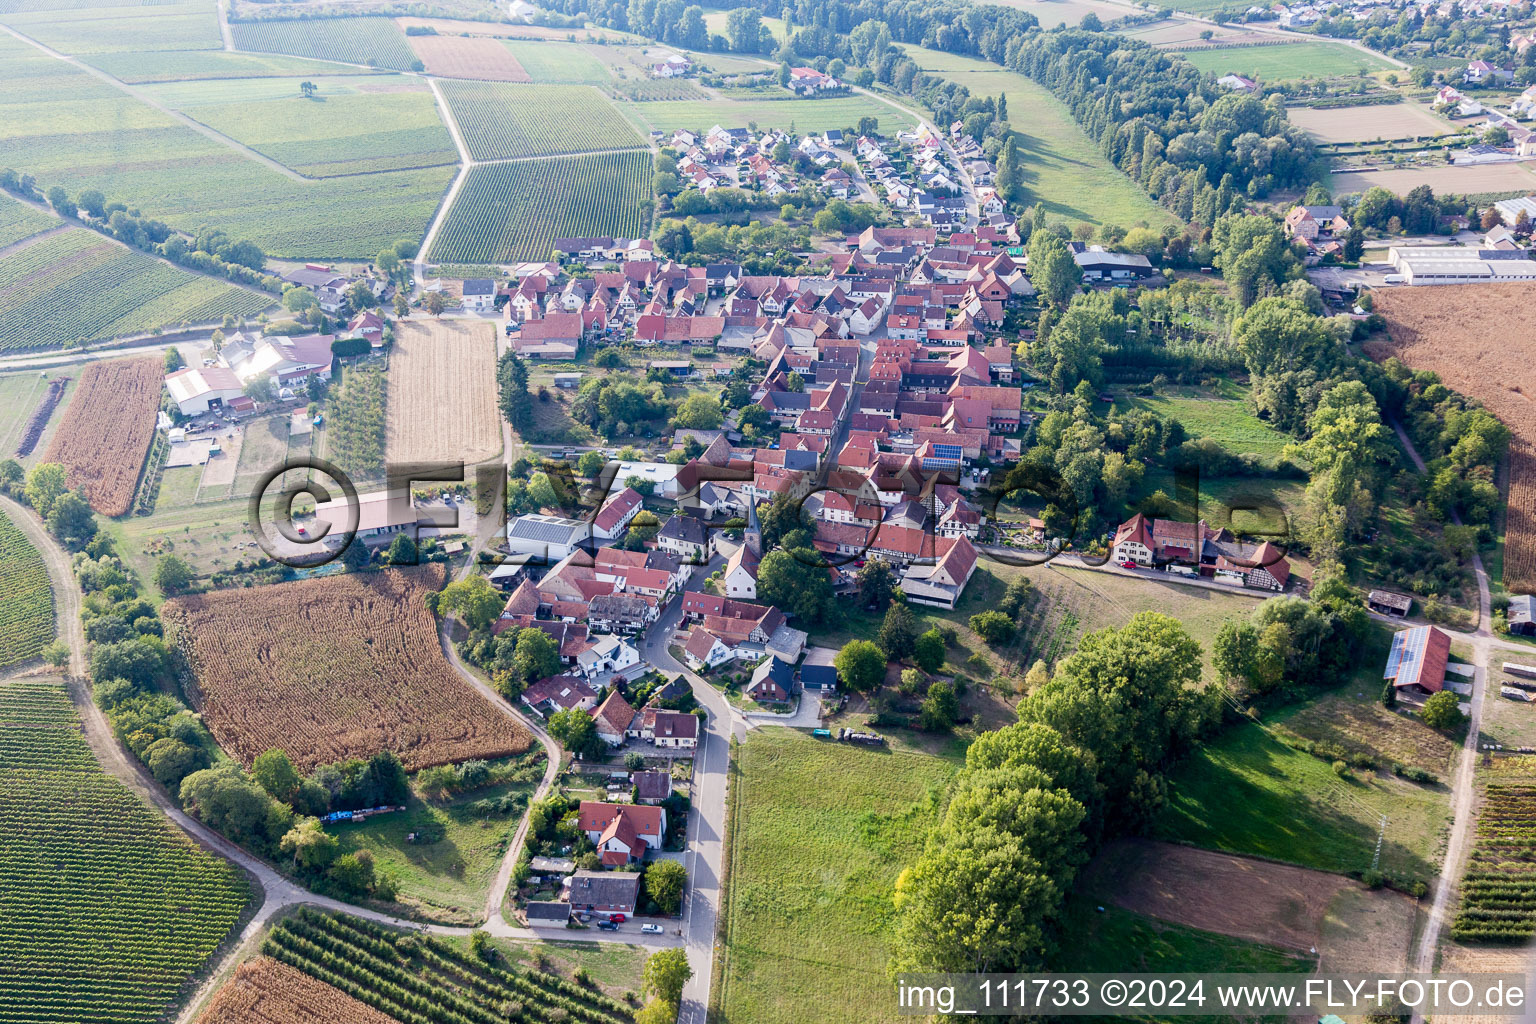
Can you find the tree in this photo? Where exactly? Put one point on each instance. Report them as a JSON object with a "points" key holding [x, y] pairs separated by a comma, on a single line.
{"points": [[877, 582], [1253, 255], [590, 463], [474, 600], [61, 203], [860, 665], [898, 633], [666, 972], [402, 550], [1442, 711], [657, 1011], [356, 555], [402, 306], [92, 202], [785, 77], [226, 799], [172, 575], [928, 651], [536, 655], [172, 361], [512, 391], [541, 491], [992, 626], [699, 411], [1054, 273], [754, 420], [744, 29], [311, 846], [1235, 649], [435, 303], [796, 582], [575, 730], [307, 89], [170, 760], [941, 707], [664, 882], [275, 773], [781, 517], [300, 300], [388, 262], [354, 872], [56, 654], [259, 389], [44, 485], [71, 520]]}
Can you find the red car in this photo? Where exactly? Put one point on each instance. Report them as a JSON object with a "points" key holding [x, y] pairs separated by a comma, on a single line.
{"points": [[1129, 565], [617, 918]]}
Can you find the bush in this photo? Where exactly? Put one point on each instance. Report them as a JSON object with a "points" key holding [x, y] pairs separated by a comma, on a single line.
{"points": [[1341, 769]]}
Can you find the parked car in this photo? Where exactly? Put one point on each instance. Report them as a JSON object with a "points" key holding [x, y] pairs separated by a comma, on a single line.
{"points": [[1128, 564], [617, 918], [608, 926], [651, 929]]}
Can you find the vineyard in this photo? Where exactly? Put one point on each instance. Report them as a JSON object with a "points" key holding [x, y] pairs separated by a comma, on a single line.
{"points": [[106, 430], [354, 428], [41, 288], [372, 41], [335, 667], [18, 221], [515, 211], [108, 910], [419, 979], [264, 991], [26, 599], [1498, 892], [501, 121], [1520, 528]]}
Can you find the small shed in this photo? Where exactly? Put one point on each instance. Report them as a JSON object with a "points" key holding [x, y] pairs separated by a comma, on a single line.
{"points": [[1384, 602], [567, 380], [551, 865], [1522, 615]]}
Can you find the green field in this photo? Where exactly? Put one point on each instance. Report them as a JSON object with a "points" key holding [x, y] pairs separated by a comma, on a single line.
{"points": [[1063, 168], [1220, 414], [26, 599], [558, 62], [1246, 792], [109, 909], [41, 287], [349, 126], [68, 128], [192, 65], [18, 221], [501, 121], [515, 211], [172, 26], [806, 115], [376, 42], [819, 833], [447, 880], [1287, 61], [1107, 938]]}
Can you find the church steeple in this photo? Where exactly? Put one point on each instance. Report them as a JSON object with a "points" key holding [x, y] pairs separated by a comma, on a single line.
{"points": [[754, 534]]}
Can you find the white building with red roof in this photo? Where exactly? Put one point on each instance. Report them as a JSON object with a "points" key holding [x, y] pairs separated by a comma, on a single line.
{"points": [[622, 833], [613, 718], [612, 519]]}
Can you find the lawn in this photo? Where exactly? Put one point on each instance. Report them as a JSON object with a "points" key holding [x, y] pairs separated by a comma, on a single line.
{"points": [[448, 880], [68, 128], [1246, 792], [1287, 61], [807, 116], [615, 967], [348, 126], [819, 833], [1220, 414]]}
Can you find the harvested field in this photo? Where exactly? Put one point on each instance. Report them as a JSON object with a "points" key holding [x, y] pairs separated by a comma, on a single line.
{"points": [[335, 667], [264, 991], [1376, 123], [1184, 35], [1257, 900], [442, 392], [39, 420], [1447, 330], [106, 429], [463, 57], [1478, 178]]}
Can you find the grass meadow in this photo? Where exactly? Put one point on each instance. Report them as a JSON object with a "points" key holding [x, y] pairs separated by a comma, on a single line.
{"points": [[139, 67], [1220, 414], [819, 831], [1287, 61]]}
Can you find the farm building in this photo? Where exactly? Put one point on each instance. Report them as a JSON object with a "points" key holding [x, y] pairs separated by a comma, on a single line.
{"points": [[283, 358], [1114, 267], [1434, 265], [1416, 663], [197, 389], [1522, 615], [380, 515], [550, 538], [1387, 603]]}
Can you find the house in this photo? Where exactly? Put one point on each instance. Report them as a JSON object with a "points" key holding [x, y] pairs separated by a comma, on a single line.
{"points": [[1522, 615], [613, 718], [479, 295], [612, 519], [556, 336], [685, 536], [1195, 549], [620, 613], [1237, 83], [705, 650], [1386, 603], [547, 913], [1417, 660], [369, 326], [603, 892], [197, 389], [740, 574], [1314, 222], [773, 681], [669, 728], [559, 693], [547, 538], [651, 787], [608, 656], [941, 584], [819, 670], [622, 833], [809, 80], [1480, 72]]}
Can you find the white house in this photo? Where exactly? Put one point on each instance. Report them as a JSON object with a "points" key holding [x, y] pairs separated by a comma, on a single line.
{"points": [[608, 656], [705, 650], [550, 538], [479, 295]]}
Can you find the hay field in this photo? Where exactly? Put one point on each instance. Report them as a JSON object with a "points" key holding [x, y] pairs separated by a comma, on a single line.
{"points": [[106, 430], [1473, 180], [335, 667], [442, 392], [1378, 122]]}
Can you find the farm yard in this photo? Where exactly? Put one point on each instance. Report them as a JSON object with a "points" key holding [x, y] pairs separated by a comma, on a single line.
{"points": [[472, 57], [500, 122], [442, 399], [67, 128], [110, 910], [1285, 61], [26, 599], [131, 292], [1477, 179], [1375, 123], [335, 667], [352, 125], [395, 972], [376, 42], [1445, 329], [1498, 889], [272, 993], [106, 430], [805, 945], [515, 211]]}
